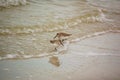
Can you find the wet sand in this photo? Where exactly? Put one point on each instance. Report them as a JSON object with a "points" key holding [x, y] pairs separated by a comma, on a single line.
{"points": [[95, 58]]}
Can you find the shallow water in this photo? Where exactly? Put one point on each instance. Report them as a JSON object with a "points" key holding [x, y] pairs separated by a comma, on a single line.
{"points": [[95, 58], [25, 29]]}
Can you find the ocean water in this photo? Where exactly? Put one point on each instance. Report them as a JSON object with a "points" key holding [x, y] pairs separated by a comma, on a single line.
{"points": [[27, 26]]}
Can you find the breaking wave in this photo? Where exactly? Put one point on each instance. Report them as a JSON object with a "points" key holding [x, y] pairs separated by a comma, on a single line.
{"points": [[97, 16], [9, 3]]}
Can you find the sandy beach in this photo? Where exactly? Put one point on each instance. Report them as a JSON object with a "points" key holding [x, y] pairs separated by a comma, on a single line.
{"points": [[95, 58], [27, 34]]}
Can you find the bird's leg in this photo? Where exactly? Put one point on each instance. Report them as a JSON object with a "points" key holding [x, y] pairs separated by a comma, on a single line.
{"points": [[55, 36], [61, 42]]}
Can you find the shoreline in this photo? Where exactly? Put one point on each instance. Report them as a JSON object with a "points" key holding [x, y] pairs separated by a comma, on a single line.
{"points": [[94, 58], [67, 43]]}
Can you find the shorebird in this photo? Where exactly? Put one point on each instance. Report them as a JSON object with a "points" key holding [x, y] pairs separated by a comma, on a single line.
{"points": [[61, 34], [57, 42]]}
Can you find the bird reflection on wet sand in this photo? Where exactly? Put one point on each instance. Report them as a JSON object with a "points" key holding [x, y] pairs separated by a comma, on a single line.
{"points": [[54, 61]]}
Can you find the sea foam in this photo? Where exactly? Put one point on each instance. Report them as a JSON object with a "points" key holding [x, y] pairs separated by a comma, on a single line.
{"points": [[8, 3]]}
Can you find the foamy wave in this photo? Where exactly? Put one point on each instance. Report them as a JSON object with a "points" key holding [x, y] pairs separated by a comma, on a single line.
{"points": [[61, 49], [97, 54], [27, 29], [17, 56], [8, 3], [90, 35], [9, 56], [54, 26], [94, 34], [25, 56]]}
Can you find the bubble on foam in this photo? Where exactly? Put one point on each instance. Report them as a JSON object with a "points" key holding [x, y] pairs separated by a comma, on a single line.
{"points": [[27, 56], [11, 56], [66, 26], [75, 40], [44, 54], [103, 17]]}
